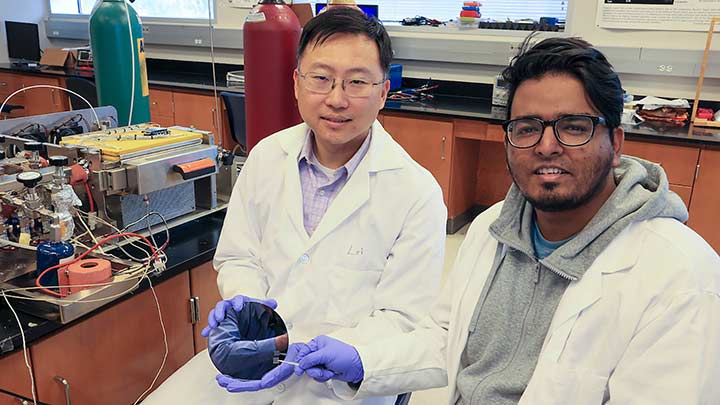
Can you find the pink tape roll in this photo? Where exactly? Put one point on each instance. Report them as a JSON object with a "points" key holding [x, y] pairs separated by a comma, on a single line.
{"points": [[86, 271]]}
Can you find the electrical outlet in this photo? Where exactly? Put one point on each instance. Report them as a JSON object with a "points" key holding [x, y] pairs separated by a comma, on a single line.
{"points": [[665, 68]]}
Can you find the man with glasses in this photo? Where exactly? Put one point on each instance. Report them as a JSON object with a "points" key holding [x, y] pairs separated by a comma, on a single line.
{"points": [[330, 218], [582, 287]]}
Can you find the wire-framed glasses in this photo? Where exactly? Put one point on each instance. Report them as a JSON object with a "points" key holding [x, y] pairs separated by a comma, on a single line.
{"points": [[569, 130], [323, 84]]}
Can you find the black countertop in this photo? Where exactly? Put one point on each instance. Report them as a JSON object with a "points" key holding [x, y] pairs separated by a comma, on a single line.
{"points": [[192, 244], [466, 100]]}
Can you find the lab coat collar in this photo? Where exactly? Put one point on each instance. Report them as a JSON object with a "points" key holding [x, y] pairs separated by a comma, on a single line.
{"points": [[383, 154], [583, 293]]}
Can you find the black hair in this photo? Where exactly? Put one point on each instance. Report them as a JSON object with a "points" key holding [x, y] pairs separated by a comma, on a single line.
{"points": [[347, 20], [577, 58]]}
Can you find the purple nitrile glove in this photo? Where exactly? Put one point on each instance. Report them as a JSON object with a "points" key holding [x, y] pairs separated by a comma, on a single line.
{"points": [[331, 358], [295, 353], [217, 314]]}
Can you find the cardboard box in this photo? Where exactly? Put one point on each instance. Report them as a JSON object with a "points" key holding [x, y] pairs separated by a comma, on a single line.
{"points": [[57, 57], [303, 11]]}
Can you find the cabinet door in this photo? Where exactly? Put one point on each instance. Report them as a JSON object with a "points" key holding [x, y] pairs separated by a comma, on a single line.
{"points": [[161, 107], [196, 110], [678, 161], [113, 356], [44, 100], [705, 202], [429, 142], [203, 286], [15, 377], [9, 83], [6, 399]]}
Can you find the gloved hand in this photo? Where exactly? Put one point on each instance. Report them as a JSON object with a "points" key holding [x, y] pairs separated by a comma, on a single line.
{"points": [[237, 302], [295, 353], [331, 358]]}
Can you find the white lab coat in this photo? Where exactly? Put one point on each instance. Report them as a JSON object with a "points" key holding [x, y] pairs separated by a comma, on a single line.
{"points": [[371, 268], [642, 326]]}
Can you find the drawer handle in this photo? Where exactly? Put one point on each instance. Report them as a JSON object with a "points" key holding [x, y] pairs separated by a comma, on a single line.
{"points": [[442, 149], [66, 387]]}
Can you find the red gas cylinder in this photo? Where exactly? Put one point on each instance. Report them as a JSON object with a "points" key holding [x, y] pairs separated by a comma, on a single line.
{"points": [[270, 41]]}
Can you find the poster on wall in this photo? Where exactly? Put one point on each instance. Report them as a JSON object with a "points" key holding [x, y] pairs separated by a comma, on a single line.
{"points": [[665, 15]]}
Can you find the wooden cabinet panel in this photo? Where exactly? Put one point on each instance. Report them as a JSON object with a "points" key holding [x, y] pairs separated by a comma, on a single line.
{"points": [[113, 356], [470, 129], [6, 399], [161, 102], [705, 203], [196, 110], [9, 83], [683, 191], [678, 161], [161, 107], [493, 177], [43, 100], [15, 376], [429, 142], [478, 130], [381, 118], [495, 133], [203, 285]]}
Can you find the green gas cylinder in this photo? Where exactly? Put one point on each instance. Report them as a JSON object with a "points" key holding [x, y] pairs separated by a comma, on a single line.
{"points": [[115, 53]]}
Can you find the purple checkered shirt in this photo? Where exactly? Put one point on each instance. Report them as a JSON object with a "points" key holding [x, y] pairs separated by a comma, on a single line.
{"points": [[321, 185]]}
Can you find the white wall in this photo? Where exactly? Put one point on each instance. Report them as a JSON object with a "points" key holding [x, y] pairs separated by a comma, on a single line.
{"points": [[32, 11]]}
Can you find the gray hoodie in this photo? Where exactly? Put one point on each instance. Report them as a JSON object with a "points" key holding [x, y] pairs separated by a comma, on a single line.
{"points": [[516, 307]]}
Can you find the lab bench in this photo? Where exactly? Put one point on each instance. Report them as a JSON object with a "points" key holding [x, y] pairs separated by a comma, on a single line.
{"points": [[114, 352]]}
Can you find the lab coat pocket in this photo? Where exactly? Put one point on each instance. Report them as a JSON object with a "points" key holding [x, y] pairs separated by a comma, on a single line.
{"points": [[351, 295], [557, 384]]}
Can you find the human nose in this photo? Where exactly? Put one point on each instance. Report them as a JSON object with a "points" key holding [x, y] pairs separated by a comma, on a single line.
{"points": [[549, 144], [336, 97]]}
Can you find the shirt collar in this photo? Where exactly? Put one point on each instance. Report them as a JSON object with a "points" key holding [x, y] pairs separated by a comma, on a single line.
{"points": [[308, 154]]}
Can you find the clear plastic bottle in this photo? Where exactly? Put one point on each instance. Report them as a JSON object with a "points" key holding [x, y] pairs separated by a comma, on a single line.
{"points": [[63, 197]]}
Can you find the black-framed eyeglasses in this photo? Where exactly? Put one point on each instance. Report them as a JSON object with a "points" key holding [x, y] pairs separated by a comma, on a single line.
{"points": [[569, 130], [323, 84]]}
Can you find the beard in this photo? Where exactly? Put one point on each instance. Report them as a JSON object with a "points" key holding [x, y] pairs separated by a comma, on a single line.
{"points": [[554, 202]]}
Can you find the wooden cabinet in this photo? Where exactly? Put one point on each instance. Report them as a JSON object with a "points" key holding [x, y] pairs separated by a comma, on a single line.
{"points": [[37, 100], [162, 108], [196, 110], [705, 202], [679, 163], [113, 356], [9, 83], [6, 399], [428, 141], [203, 287], [44, 100], [15, 378]]}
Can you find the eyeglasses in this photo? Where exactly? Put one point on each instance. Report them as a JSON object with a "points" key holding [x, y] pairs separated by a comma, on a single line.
{"points": [[323, 84], [570, 130]]}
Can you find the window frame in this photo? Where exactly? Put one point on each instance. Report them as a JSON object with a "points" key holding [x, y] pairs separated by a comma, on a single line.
{"points": [[166, 20]]}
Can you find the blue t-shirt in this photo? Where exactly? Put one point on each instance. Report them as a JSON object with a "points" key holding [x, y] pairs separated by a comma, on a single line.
{"points": [[543, 247]]}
